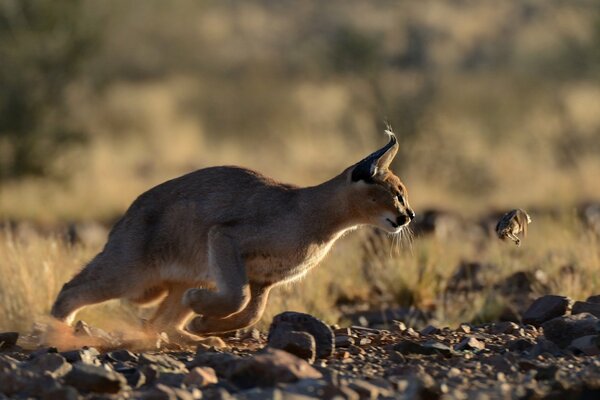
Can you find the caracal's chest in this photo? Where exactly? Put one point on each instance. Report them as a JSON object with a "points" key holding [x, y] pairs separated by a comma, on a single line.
{"points": [[276, 266]]}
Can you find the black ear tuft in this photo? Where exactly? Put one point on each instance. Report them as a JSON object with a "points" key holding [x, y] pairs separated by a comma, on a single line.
{"points": [[367, 167], [362, 171]]}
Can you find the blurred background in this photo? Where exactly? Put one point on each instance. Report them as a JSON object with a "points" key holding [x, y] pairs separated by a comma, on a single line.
{"points": [[496, 105]]}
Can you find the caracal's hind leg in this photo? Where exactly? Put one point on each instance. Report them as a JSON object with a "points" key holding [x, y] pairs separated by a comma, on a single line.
{"points": [[249, 316], [100, 280], [227, 269], [171, 315]]}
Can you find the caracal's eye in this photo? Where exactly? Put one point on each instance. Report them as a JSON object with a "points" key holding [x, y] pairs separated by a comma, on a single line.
{"points": [[401, 199]]}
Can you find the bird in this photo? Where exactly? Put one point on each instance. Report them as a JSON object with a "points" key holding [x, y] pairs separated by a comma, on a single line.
{"points": [[512, 224]]}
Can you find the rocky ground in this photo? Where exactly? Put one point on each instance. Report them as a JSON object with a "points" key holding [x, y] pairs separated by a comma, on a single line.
{"points": [[553, 354]]}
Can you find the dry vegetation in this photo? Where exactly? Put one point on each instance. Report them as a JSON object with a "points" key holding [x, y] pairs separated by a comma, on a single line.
{"points": [[495, 105]]}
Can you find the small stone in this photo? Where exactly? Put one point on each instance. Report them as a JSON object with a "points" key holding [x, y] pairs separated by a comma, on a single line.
{"points": [[401, 326], [544, 346], [499, 364], [100, 336], [545, 308], [429, 330], [506, 327], [364, 341], [343, 341], [8, 340], [367, 390], [454, 373], [586, 307], [135, 378], [469, 343], [294, 321], [214, 342], [61, 393], [411, 332], [88, 355], [464, 328], [201, 376], [593, 299], [222, 363], [164, 392], [563, 330], [588, 345], [428, 348], [90, 378], [163, 362], [122, 355], [52, 363], [300, 344], [269, 367], [520, 345]]}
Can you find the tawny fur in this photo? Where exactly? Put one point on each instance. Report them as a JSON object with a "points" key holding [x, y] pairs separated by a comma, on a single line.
{"points": [[215, 241]]}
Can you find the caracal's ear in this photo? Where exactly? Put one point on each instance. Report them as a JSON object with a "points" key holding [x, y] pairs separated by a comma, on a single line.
{"points": [[376, 162]]}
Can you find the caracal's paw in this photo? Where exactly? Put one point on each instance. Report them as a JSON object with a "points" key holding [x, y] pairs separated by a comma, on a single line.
{"points": [[213, 304]]}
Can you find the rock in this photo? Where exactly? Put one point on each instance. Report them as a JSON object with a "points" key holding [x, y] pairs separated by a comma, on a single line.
{"points": [[121, 355], [8, 340], [163, 362], [135, 378], [343, 341], [520, 345], [506, 327], [428, 348], [544, 346], [545, 308], [213, 342], [164, 392], [464, 328], [269, 367], [429, 330], [469, 343], [593, 299], [52, 363], [61, 393], [300, 344], [222, 363], [88, 355], [99, 336], [367, 390], [172, 379], [90, 378], [586, 307], [201, 376], [311, 388], [13, 380], [294, 321], [260, 393], [563, 330], [588, 345]]}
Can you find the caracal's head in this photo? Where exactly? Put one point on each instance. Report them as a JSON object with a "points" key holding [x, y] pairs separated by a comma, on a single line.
{"points": [[377, 196]]}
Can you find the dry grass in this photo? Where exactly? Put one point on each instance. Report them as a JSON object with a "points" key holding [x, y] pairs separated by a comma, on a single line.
{"points": [[35, 267]]}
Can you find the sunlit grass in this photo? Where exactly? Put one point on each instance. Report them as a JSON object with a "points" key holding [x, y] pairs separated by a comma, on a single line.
{"points": [[35, 267]]}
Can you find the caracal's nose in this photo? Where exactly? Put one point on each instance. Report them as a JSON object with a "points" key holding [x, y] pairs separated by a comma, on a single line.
{"points": [[402, 220], [411, 214]]}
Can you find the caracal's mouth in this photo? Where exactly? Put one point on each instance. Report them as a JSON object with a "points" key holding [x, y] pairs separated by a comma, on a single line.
{"points": [[392, 223]]}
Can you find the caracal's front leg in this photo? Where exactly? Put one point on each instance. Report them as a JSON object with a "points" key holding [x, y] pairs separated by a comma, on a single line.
{"points": [[227, 269], [249, 316]]}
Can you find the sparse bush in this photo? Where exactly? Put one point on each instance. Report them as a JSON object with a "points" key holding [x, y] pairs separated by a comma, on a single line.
{"points": [[42, 46]]}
